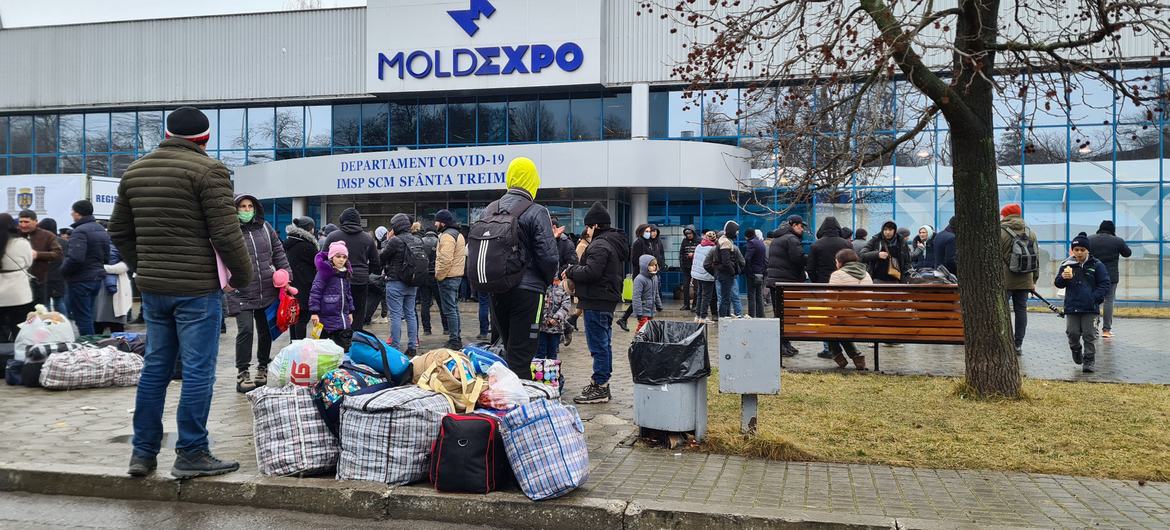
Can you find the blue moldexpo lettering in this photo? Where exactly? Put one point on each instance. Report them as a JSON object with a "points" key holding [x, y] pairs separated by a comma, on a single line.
{"points": [[439, 66], [570, 49], [515, 59], [488, 67], [460, 52], [543, 57], [410, 64], [383, 62]]}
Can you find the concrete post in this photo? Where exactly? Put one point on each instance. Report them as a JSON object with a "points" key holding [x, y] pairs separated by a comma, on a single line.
{"points": [[640, 111], [300, 206], [639, 209]]}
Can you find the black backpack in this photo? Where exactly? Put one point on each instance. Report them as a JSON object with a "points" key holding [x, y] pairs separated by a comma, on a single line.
{"points": [[415, 264], [495, 256]]}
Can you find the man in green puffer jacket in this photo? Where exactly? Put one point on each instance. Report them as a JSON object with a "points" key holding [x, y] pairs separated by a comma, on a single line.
{"points": [[174, 212]]}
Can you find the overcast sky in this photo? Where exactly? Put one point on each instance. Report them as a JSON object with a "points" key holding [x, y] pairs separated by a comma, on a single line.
{"points": [[20, 13]]}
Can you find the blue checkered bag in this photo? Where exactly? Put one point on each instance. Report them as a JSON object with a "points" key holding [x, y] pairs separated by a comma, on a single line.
{"points": [[545, 442]]}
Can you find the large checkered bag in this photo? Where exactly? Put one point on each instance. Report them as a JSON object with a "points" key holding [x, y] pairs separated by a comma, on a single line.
{"points": [[386, 436], [91, 368], [291, 437], [545, 442]]}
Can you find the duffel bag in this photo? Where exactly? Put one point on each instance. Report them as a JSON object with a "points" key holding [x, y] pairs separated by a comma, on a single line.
{"points": [[336, 385], [386, 436], [366, 348], [545, 442], [468, 456], [40, 352], [291, 437], [91, 368], [23, 373], [449, 373]]}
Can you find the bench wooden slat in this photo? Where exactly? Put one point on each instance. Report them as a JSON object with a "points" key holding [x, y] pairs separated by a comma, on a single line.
{"points": [[865, 321], [863, 295], [879, 304], [872, 331], [836, 312], [920, 339]]}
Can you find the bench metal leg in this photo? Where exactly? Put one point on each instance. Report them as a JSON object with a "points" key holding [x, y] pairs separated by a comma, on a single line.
{"points": [[747, 421], [877, 357]]}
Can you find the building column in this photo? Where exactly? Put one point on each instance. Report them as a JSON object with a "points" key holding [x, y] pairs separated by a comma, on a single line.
{"points": [[640, 111], [300, 207], [639, 208]]}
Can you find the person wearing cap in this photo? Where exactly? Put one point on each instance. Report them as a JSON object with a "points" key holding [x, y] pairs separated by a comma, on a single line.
{"points": [[174, 214], [1086, 283], [363, 257], [85, 265], [515, 314], [1018, 284], [598, 283], [786, 264], [300, 247], [1109, 248], [450, 261], [46, 251]]}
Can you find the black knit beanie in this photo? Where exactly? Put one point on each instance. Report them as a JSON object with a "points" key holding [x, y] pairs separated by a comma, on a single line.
{"points": [[189, 123], [597, 215]]}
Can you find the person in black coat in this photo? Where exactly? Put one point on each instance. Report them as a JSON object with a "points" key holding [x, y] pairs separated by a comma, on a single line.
{"points": [[822, 256], [647, 243], [566, 248], [363, 257], [1109, 249], [686, 259], [786, 263], [885, 246], [301, 248], [945, 250]]}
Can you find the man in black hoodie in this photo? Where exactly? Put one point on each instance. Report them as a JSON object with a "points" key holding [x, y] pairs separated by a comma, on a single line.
{"points": [[598, 281], [786, 263], [686, 259], [300, 247], [944, 248], [1107, 247], [363, 257], [822, 256], [887, 251], [646, 243]]}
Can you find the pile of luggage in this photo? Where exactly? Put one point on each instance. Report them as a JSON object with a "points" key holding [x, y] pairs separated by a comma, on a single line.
{"points": [[461, 420], [48, 354]]}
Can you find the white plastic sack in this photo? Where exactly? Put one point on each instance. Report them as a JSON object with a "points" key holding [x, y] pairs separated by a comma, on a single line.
{"points": [[303, 362], [504, 389], [52, 328]]}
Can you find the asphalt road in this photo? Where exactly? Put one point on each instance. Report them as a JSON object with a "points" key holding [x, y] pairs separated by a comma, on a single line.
{"points": [[28, 512]]}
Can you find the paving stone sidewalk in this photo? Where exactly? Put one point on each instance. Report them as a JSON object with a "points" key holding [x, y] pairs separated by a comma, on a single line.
{"points": [[92, 427]]}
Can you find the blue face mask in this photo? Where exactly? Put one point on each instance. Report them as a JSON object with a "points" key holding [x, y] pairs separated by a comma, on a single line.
{"points": [[646, 235]]}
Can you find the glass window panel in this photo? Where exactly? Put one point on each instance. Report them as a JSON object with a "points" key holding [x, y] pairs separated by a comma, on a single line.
{"points": [[20, 165], [231, 128], [261, 156], [1146, 83], [1009, 194], [586, 118], [3, 138], [46, 164], [46, 133], [915, 160], [403, 124], [3, 165], [1044, 103], [1051, 256], [97, 165], [319, 126], [1088, 205], [461, 122], [432, 123], [97, 133], [1090, 101], [122, 133], [1044, 211], [1046, 155], [232, 158], [493, 121], [553, 120], [22, 135], [874, 207], [119, 163], [261, 128], [946, 206], [1139, 141], [375, 123], [684, 116], [522, 115], [1092, 154], [150, 130], [72, 164], [1166, 221], [1009, 155], [1137, 211], [915, 207], [659, 114], [317, 152], [720, 108], [290, 127], [288, 154], [347, 125], [616, 119], [1139, 273]]}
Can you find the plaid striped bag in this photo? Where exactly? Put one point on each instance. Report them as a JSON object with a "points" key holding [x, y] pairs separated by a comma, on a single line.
{"points": [[91, 368], [545, 442], [42, 351], [291, 437], [386, 436]]}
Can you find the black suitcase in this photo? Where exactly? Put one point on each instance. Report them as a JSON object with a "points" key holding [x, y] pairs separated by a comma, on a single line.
{"points": [[468, 456]]}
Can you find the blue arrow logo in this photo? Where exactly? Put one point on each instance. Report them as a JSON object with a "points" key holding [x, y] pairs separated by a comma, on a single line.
{"points": [[466, 17]]}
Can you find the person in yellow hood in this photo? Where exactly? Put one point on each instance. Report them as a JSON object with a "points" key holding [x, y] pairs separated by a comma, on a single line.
{"points": [[516, 295]]}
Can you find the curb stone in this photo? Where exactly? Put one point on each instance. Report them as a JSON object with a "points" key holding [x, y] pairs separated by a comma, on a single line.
{"points": [[370, 500]]}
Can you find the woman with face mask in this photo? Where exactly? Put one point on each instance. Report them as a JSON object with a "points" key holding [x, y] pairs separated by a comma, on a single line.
{"points": [[646, 244]]}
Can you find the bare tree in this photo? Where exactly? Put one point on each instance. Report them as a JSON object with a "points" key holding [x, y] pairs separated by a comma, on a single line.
{"points": [[302, 5], [822, 71]]}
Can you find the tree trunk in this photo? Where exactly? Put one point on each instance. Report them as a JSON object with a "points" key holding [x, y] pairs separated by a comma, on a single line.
{"points": [[992, 366]]}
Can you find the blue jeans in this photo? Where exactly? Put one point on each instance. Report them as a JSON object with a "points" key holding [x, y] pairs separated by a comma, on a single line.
{"points": [[401, 300], [599, 338], [548, 345], [725, 287], [736, 303], [186, 327], [485, 313], [80, 301], [449, 307]]}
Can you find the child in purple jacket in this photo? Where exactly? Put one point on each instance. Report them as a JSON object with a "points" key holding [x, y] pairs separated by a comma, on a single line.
{"points": [[330, 300]]}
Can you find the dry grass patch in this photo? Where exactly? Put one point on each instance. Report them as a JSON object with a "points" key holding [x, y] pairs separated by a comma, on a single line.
{"points": [[1089, 429], [1119, 311]]}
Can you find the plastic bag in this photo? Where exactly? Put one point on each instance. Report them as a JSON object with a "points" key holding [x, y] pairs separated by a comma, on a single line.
{"points": [[669, 352], [504, 390], [482, 357], [304, 362], [42, 327]]}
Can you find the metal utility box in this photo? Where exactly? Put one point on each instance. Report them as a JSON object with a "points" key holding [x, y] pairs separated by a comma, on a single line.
{"points": [[749, 356], [673, 407]]}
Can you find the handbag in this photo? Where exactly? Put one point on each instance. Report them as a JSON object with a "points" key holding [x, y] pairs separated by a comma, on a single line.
{"points": [[893, 269]]}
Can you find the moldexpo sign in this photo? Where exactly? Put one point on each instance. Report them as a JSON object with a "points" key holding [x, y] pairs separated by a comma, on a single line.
{"points": [[479, 44]]}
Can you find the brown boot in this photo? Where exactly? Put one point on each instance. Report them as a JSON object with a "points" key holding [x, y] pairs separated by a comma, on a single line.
{"points": [[840, 360], [859, 362]]}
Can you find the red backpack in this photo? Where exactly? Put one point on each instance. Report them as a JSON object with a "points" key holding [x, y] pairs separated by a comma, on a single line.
{"points": [[288, 312]]}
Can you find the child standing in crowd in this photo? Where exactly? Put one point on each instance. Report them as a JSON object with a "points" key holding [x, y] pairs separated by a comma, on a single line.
{"points": [[647, 297], [331, 298], [1086, 283], [554, 316]]}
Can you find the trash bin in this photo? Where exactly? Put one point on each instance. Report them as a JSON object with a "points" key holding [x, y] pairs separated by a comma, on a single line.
{"points": [[669, 362]]}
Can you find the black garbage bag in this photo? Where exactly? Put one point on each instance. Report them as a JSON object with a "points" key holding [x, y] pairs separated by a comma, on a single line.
{"points": [[668, 351]]}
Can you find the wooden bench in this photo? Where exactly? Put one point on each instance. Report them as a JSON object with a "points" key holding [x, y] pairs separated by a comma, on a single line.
{"points": [[880, 313]]}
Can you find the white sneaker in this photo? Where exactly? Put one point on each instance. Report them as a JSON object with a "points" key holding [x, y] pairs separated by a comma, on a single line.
{"points": [[746, 317]]}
